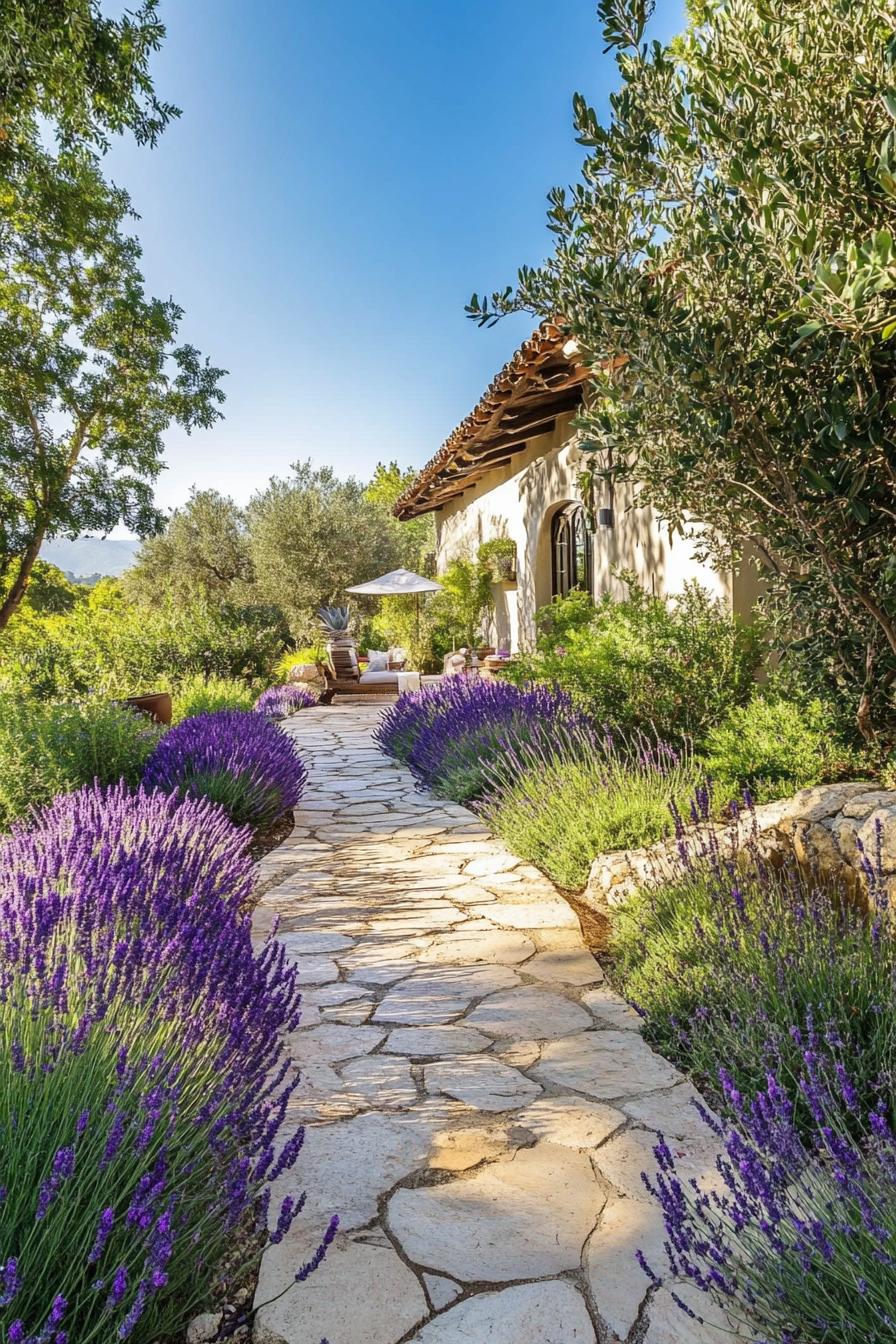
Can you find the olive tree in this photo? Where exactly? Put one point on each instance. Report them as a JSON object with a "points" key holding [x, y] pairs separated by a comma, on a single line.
{"points": [[416, 538], [727, 264], [203, 552], [311, 536]]}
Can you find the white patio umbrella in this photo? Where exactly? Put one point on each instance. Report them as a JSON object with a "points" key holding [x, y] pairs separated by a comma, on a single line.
{"points": [[396, 582]]}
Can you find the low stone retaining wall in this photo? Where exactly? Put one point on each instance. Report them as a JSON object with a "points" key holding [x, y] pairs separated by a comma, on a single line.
{"points": [[840, 827]]}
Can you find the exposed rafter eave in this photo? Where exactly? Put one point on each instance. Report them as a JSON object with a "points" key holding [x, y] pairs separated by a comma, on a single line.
{"points": [[542, 381]]}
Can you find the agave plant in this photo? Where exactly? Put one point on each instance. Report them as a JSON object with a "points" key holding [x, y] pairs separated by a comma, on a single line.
{"points": [[334, 621]]}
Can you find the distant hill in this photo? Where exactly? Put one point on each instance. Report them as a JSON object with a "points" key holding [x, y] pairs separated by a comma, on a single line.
{"points": [[91, 555]]}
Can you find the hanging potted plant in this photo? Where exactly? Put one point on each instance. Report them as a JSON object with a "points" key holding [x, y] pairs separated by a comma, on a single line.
{"points": [[499, 558]]}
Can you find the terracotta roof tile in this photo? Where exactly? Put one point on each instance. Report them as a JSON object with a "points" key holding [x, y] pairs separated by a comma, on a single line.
{"points": [[541, 365]]}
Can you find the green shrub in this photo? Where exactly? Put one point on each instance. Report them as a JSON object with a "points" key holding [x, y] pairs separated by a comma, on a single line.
{"points": [[464, 601], [196, 695], [561, 813], [112, 647], [773, 747], [50, 749], [674, 665], [556, 622], [314, 653]]}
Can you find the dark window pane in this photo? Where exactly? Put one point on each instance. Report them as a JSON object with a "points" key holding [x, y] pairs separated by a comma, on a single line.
{"points": [[570, 551]]}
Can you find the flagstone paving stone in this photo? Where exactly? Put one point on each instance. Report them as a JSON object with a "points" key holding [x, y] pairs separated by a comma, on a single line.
{"points": [[328, 1304], [441, 1291], [625, 1157], [571, 1121], [531, 1313], [567, 966], [520, 1217], [430, 1042], [605, 1064], [530, 1012], [618, 1284], [478, 1103], [481, 1081]]}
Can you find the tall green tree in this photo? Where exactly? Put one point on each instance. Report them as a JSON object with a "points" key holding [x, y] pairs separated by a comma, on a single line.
{"points": [[85, 72], [91, 372], [203, 552], [727, 263], [416, 539], [311, 536]]}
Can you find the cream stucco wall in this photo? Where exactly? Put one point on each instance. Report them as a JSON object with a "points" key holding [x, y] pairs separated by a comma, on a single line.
{"points": [[519, 501]]}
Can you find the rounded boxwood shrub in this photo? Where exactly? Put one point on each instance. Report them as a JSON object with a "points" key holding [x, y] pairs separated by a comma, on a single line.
{"points": [[236, 758], [771, 746], [142, 1070]]}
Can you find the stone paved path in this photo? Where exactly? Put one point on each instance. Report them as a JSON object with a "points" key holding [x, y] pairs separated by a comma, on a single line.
{"points": [[479, 1104]]}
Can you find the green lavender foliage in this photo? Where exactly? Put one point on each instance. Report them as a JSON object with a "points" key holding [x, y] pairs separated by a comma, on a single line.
{"points": [[728, 961], [562, 807]]}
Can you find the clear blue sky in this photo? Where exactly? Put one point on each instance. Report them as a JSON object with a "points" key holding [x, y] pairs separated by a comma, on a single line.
{"points": [[344, 175]]}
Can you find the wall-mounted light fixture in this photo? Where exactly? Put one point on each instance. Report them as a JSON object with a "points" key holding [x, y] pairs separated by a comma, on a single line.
{"points": [[605, 518]]}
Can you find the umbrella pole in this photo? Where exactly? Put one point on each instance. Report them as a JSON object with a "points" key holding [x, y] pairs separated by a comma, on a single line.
{"points": [[417, 602]]}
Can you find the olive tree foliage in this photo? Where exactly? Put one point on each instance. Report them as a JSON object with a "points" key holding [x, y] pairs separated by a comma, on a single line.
{"points": [[91, 369], [416, 538], [727, 263], [313, 535], [203, 552]]}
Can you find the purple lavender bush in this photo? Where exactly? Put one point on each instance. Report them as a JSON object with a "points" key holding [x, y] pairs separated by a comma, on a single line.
{"points": [[774, 988], [605, 793], [279, 701], [234, 757], [733, 961], [449, 735], [143, 1073], [403, 722], [798, 1240]]}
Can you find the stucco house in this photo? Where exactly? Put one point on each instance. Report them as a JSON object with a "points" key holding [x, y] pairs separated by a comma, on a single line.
{"points": [[511, 469]]}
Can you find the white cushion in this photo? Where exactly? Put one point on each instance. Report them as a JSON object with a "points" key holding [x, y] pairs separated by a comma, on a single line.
{"points": [[376, 661], [378, 679]]}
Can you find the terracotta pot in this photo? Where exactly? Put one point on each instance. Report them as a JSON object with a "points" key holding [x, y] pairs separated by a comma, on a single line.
{"points": [[157, 705]]}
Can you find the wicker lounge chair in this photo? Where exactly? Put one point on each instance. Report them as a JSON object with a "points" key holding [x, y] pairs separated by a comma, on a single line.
{"points": [[343, 676]]}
